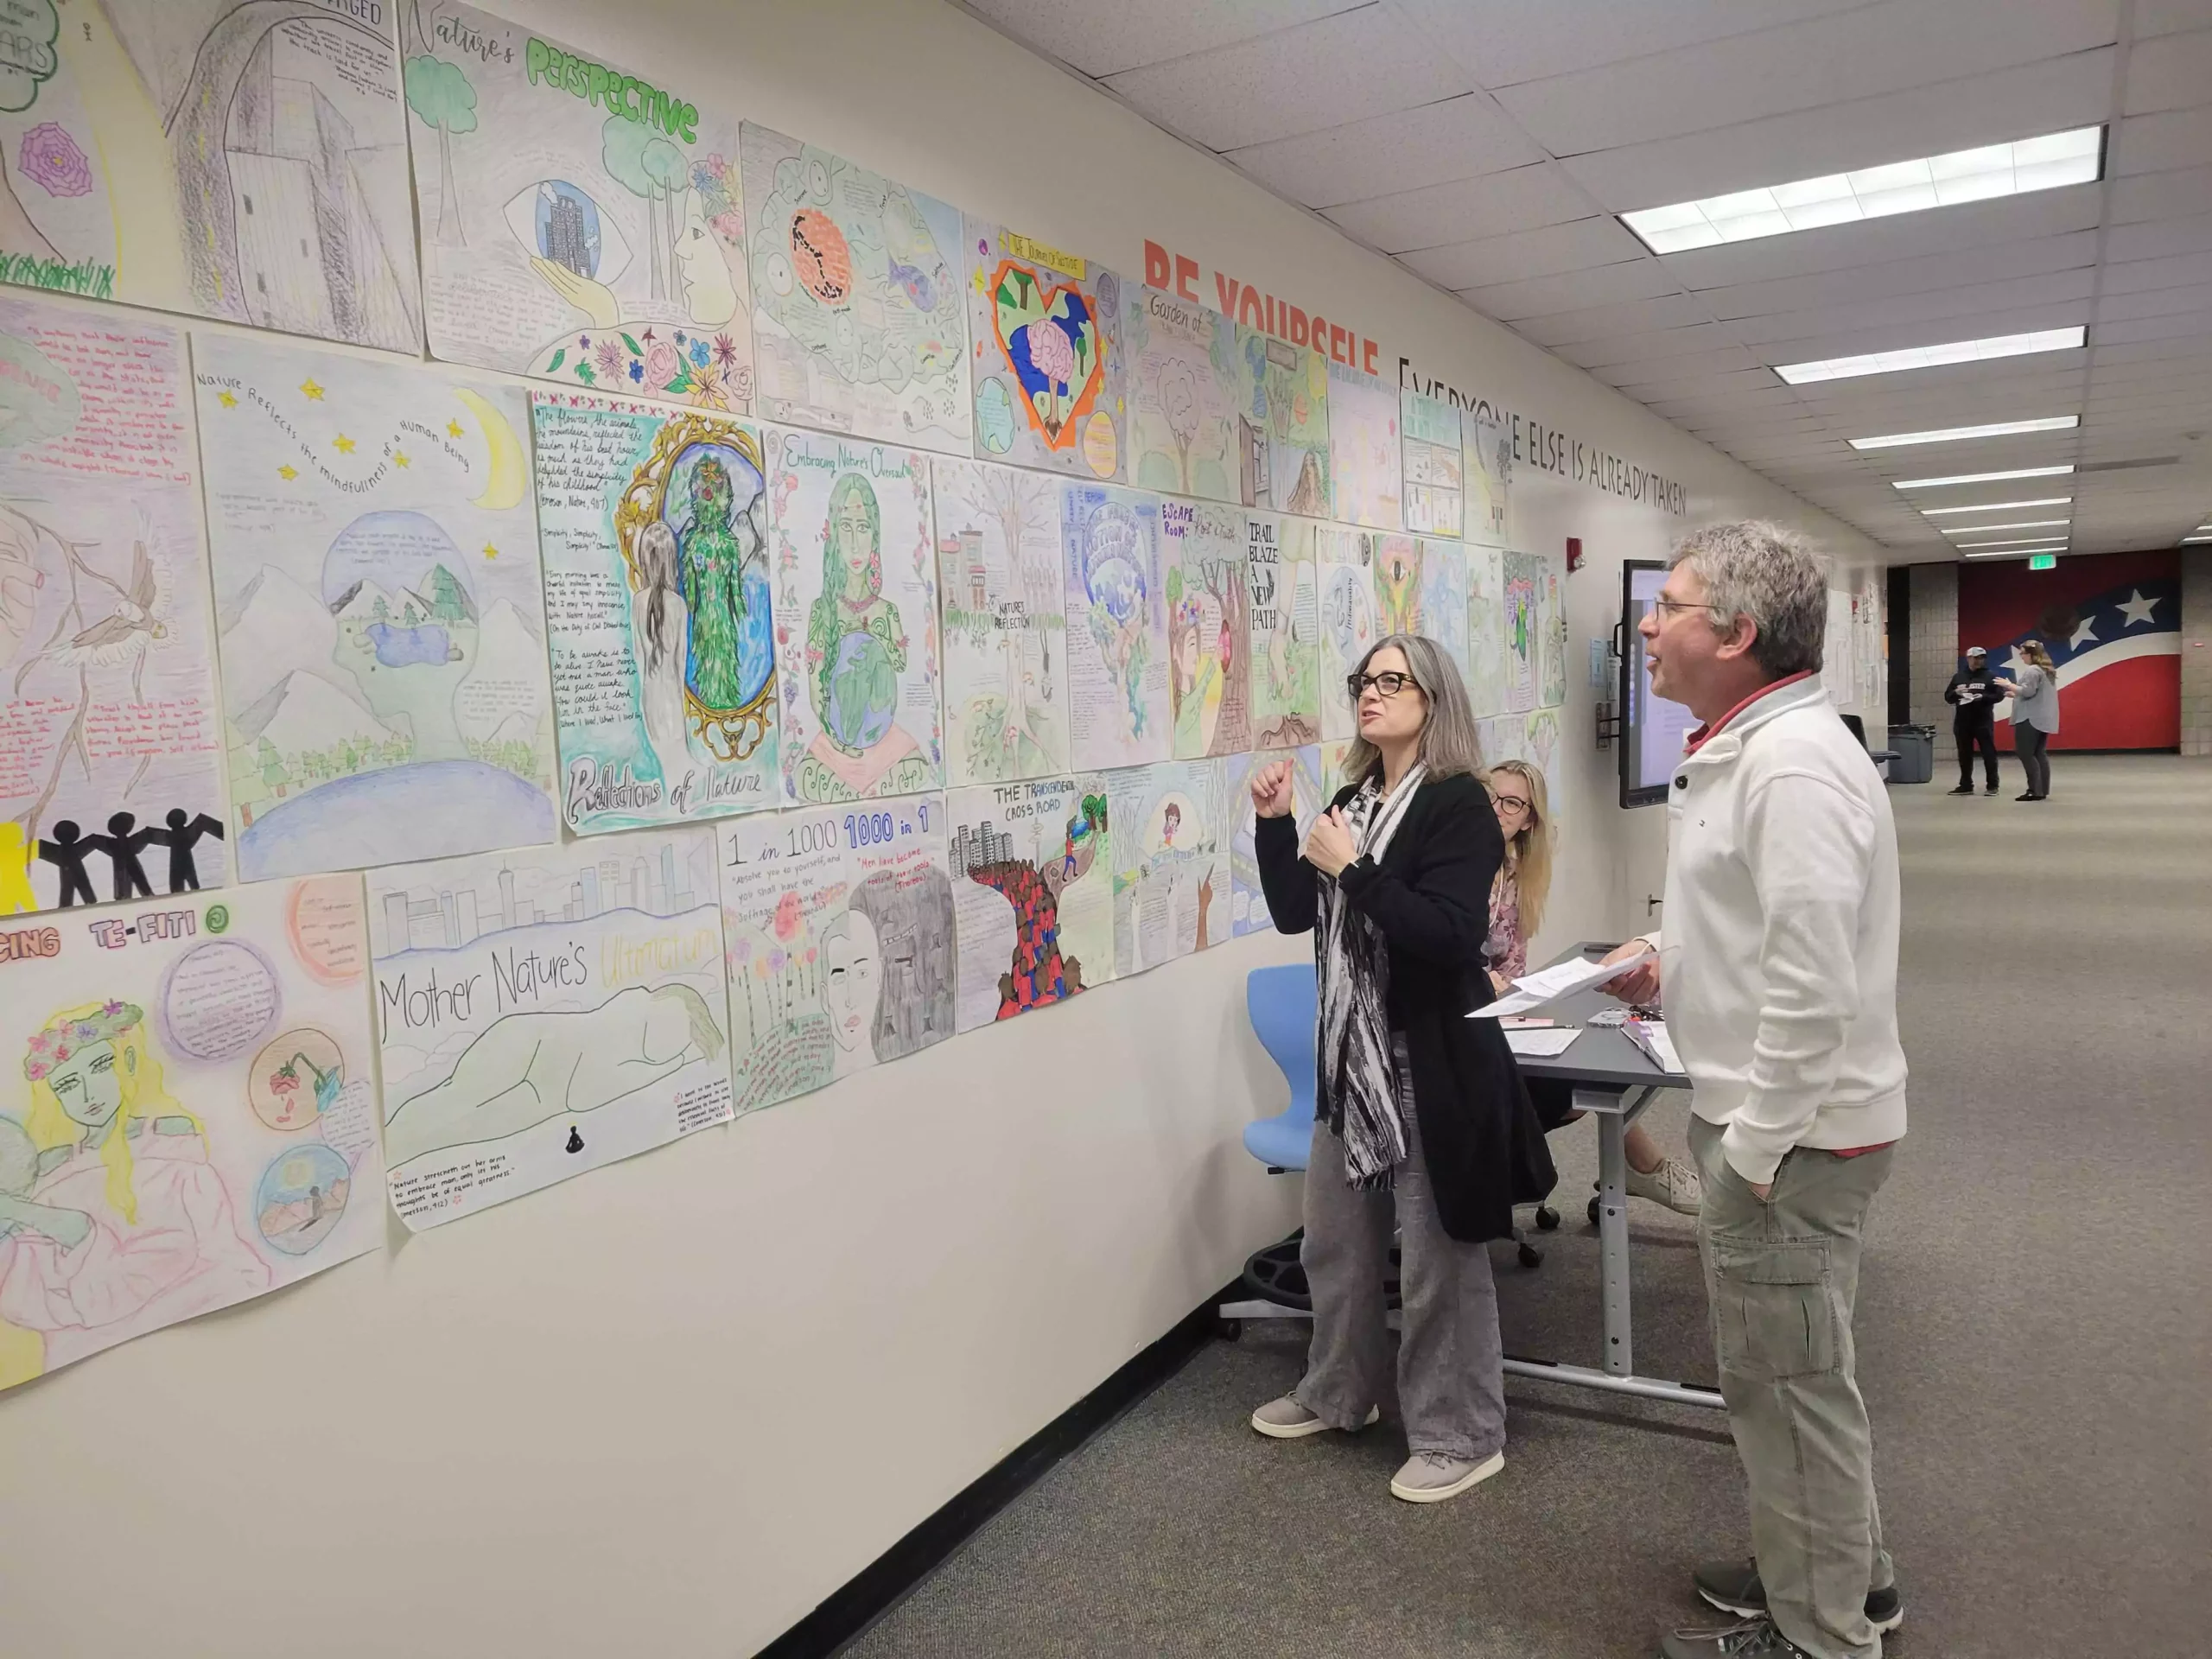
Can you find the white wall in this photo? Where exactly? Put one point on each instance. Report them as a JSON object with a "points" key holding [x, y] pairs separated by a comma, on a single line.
{"points": [[671, 1407]]}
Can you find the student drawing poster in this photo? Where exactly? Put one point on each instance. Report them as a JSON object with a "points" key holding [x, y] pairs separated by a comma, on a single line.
{"points": [[1349, 621], [1524, 631], [1434, 460], [657, 598], [892, 969], [1032, 895], [374, 545], [578, 224], [1421, 585], [1285, 614], [543, 1011], [1551, 623], [1365, 464], [1118, 704], [111, 741], [226, 158], [1486, 444], [858, 323], [1282, 424], [1208, 641], [1184, 377], [1170, 865], [1003, 606], [187, 1111], [1486, 628], [1045, 333], [1248, 903], [856, 618]]}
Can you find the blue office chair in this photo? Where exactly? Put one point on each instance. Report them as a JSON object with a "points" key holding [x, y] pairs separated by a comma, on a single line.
{"points": [[1281, 1003]]}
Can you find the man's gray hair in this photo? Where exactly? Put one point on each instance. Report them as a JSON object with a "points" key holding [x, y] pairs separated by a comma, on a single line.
{"points": [[1771, 575]]}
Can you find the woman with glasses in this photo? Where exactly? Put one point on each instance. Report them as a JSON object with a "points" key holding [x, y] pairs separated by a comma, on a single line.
{"points": [[1516, 912], [1420, 1120]]}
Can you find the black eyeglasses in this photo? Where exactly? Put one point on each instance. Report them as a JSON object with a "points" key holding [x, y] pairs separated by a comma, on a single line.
{"points": [[1388, 682], [1664, 604], [1514, 801]]}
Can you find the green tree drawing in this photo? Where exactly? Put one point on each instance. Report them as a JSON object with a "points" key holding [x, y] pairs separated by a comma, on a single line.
{"points": [[440, 95], [652, 169], [272, 768], [448, 602]]}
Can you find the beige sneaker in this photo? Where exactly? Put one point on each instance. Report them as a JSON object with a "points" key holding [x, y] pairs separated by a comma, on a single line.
{"points": [[1285, 1419], [1431, 1476], [1672, 1183]]}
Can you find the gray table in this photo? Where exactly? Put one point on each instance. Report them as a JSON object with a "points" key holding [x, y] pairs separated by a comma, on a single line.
{"points": [[1613, 1082]]}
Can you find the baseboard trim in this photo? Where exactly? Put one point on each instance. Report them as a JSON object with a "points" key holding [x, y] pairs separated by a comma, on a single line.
{"points": [[885, 1582]]}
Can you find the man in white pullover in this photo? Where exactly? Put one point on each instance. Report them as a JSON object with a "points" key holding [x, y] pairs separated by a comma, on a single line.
{"points": [[1778, 969]]}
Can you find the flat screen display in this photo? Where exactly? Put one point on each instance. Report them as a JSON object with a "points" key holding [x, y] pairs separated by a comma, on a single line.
{"points": [[1652, 728]]}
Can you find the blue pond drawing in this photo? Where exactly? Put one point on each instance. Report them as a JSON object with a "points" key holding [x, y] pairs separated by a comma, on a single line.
{"points": [[399, 647], [448, 807]]}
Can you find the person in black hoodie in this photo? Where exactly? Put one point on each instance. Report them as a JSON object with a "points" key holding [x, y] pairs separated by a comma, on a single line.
{"points": [[1973, 697], [1421, 1113]]}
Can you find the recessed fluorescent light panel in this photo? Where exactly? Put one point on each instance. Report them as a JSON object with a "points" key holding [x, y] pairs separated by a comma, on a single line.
{"points": [[2008, 541], [2197, 538], [1982, 477], [2014, 169], [2000, 507], [2017, 553], [1933, 357], [2018, 524], [1953, 434]]}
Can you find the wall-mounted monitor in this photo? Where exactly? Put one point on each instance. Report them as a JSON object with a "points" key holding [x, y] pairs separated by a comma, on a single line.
{"points": [[1652, 728]]}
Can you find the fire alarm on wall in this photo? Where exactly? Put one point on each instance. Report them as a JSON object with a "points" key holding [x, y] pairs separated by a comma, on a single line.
{"points": [[1573, 554]]}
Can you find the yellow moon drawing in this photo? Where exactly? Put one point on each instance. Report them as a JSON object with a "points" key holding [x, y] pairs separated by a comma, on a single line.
{"points": [[510, 474]]}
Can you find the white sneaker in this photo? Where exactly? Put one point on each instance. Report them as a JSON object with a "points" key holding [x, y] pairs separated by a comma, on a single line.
{"points": [[1285, 1419], [1672, 1183], [1431, 1476]]}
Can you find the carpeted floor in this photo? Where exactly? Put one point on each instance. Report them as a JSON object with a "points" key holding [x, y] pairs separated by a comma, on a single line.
{"points": [[2034, 1334]]}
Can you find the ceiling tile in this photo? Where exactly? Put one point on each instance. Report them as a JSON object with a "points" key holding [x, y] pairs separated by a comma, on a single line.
{"points": [[1930, 273], [1597, 241], [2149, 144], [1527, 199], [2159, 238], [2173, 74], [1699, 341], [1343, 69], [2179, 325], [1651, 386], [1454, 138], [2160, 195], [1898, 333], [1630, 316], [2169, 270], [2165, 16], [1966, 301], [2060, 93], [2154, 303], [1862, 53], [1502, 42], [1574, 291], [1102, 41]]}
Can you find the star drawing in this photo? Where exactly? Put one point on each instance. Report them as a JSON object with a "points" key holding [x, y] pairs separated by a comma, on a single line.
{"points": [[227, 399], [313, 391], [287, 472], [342, 444], [399, 458], [454, 429], [489, 551]]}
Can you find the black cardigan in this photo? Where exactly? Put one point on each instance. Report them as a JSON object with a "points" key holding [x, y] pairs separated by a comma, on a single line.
{"points": [[1430, 896]]}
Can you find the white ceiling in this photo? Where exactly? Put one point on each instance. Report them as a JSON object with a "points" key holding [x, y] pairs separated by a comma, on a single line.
{"points": [[1487, 145]]}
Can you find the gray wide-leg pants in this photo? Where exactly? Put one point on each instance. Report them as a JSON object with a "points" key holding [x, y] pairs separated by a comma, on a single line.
{"points": [[1451, 1366], [1783, 1278]]}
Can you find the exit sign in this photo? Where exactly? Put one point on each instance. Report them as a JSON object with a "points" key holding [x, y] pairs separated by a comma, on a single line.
{"points": [[2043, 561]]}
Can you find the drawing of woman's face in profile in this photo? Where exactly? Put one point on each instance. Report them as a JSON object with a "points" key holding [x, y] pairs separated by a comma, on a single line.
{"points": [[852, 974]]}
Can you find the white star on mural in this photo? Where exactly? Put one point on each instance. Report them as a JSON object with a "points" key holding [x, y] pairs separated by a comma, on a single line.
{"points": [[2136, 607], [2084, 634]]}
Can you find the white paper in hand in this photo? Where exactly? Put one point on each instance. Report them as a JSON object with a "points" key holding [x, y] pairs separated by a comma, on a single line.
{"points": [[1561, 979]]}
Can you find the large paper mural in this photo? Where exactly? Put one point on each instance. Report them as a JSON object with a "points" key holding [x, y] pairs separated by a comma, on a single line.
{"points": [[111, 744], [1032, 895], [1486, 443], [1524, 631], [1366, 459], [1551, 628], [1420, 587], [1285, 630], [1045, 332], [1248, 901], [1486, 629], [838, 927], [578, 223], [241, 159], [1349, 621], [542, 1012], [374, 547], [858, 327], [1119, 709], [656, 595], [1282, 428], [1208, 641], [188, 1112], [1185, 382], [1171, 861], [1004, 612], [856, 618], [1435, 458]]}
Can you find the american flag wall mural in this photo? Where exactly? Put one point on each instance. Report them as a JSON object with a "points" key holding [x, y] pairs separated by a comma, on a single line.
{"points": [[2112, 623]]}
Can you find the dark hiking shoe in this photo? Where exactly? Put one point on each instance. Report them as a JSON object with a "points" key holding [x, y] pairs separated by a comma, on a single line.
{"points": [[1734, 1587]]}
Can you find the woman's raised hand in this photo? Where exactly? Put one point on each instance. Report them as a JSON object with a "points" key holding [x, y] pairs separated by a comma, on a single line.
{"points": [[1271, 790]]}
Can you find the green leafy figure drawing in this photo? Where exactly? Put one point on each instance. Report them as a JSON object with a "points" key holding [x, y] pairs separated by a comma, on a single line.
{"points": [[713, 588], [441, 97], [854, 644]]}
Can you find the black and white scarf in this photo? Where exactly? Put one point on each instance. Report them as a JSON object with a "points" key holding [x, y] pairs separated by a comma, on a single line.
{"points": [[1356, 1077]]}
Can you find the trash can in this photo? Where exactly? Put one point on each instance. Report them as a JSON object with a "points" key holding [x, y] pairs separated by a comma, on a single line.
{"points": [[1916, 752]]}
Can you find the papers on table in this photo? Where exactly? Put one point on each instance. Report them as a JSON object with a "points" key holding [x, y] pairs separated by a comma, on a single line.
{"points": [[1560, 979], [1650, 1036], [1544, 1043]]}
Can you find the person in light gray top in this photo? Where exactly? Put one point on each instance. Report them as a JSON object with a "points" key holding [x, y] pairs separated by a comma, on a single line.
{"points": [[2035, 715]]}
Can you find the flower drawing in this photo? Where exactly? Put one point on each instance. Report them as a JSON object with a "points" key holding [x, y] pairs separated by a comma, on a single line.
{"points": [[50, 159], [661, 364]]}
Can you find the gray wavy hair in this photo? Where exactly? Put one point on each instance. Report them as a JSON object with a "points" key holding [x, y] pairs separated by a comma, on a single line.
{"points": [[1449, 744], [1772, 576]]}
